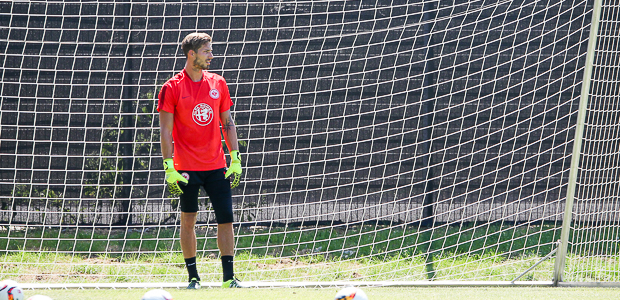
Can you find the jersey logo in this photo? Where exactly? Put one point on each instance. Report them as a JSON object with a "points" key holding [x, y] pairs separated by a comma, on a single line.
{"points": [[202, 114], [214, 93]]}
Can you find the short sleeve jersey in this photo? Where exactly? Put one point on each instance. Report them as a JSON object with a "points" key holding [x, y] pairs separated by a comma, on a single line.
{"points": [[196, 107]]}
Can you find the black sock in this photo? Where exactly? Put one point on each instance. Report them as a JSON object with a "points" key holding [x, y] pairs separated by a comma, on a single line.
{"points": [[227, 266], [190, 263]]}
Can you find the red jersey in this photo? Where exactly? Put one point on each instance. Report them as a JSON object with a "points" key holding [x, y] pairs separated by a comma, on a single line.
{"points": [[196, 107]]}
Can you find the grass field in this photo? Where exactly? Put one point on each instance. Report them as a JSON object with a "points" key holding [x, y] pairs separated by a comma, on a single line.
{"points": [[328, 293], [483, 252]]}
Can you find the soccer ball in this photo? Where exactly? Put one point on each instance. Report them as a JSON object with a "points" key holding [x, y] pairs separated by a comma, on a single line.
{"points": [[8, 282], [351, 293], [10, 291], [39, 297], [157, 295]]}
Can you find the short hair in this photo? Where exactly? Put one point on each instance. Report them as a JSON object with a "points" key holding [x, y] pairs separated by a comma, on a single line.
{"points": [[194, 41]]}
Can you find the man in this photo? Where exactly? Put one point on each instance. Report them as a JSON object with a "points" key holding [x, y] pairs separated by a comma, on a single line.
{"points": [[192, 105]]}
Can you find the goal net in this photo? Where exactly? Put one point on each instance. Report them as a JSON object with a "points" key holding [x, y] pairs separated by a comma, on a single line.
{"points": [[594, 248], [382, 140]]}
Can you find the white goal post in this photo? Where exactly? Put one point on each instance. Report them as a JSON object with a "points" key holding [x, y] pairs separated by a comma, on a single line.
{"points": [[385, 142]]}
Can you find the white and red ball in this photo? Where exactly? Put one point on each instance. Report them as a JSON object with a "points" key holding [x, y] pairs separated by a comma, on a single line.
{"points": [[351, 293], [157, 295], [10, 291], [8, 282], [40, 297]]}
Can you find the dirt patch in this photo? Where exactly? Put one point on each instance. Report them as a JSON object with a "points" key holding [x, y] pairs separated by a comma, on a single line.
{"points": [[284, 263]]}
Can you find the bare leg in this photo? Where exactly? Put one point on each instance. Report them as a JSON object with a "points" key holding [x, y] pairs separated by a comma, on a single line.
{"points": [[225, 239], [188, 234]]}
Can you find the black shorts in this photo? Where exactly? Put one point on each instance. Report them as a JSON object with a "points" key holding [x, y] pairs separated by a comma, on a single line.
{"points": [[217, 188]]}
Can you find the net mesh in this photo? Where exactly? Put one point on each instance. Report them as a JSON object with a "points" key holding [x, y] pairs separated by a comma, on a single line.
{"points": [[382, 140], [593, 244]]}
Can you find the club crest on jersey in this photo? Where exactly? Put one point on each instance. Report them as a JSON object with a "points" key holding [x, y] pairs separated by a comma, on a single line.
{"points": [[202, 114], [185, 175], [214, 93]]}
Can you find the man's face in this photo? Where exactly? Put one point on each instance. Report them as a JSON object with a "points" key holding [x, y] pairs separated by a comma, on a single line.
{"points": [[202, 58]]}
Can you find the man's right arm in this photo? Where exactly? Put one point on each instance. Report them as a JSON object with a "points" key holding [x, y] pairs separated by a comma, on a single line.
{"points": [[166, 123]]}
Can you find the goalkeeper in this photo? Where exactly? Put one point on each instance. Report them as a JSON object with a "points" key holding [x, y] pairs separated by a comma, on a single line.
{"points": [[193, 105]]}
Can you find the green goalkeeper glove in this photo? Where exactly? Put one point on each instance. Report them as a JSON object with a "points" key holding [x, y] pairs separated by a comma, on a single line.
{"points": [[235, 168], [173, 177]]}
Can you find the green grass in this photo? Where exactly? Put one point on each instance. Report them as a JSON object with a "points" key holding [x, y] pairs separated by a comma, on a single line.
{"points": [[476, 252], [293, 241], [328, 294]]}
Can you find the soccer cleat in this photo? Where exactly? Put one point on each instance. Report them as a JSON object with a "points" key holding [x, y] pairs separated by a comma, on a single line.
{"points": [[231, 283], [194, 284]]}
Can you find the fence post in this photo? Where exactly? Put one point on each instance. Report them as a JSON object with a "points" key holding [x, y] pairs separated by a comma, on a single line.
{"points": [[429, 102], [560, 260]]}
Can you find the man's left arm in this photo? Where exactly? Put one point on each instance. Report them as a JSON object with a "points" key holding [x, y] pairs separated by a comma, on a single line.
{"points": [[229, 131]]}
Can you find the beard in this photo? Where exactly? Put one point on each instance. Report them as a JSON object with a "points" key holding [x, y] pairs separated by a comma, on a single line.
{"points": [[200, 65]]}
